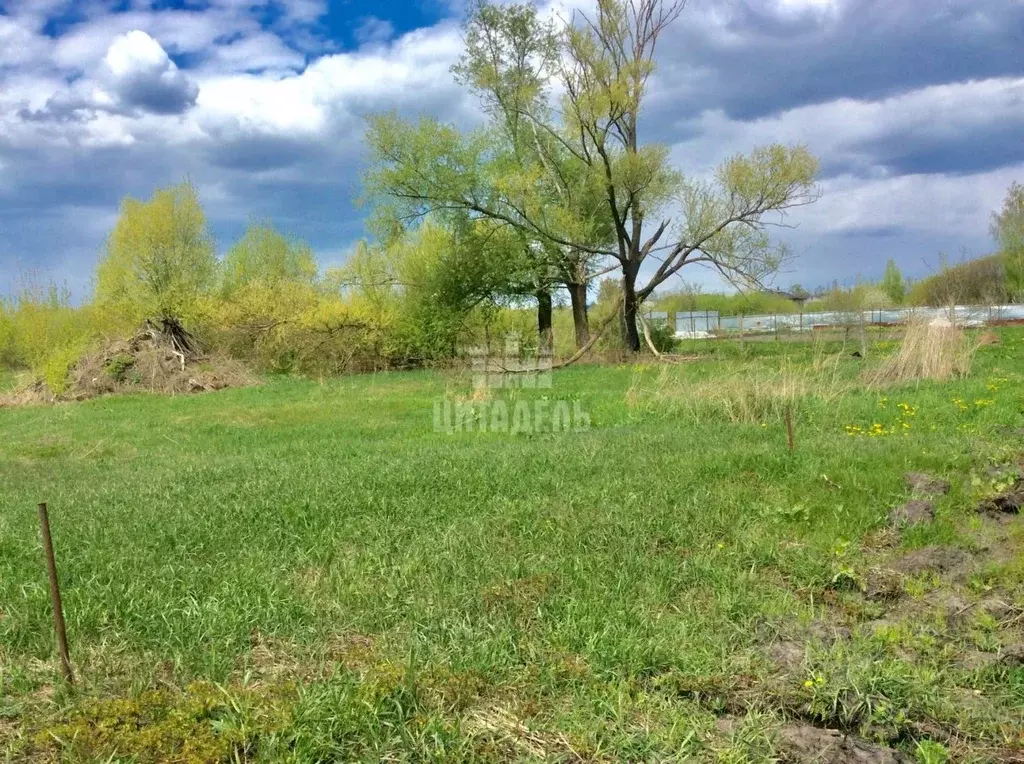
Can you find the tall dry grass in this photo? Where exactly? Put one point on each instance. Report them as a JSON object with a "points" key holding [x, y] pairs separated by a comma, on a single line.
{"points": [[930, 350], [742, 394]]}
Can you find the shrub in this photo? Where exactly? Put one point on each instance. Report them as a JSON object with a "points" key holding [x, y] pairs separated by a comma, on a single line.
{"points": [[976, 282], [55, 369], [746, 303]]}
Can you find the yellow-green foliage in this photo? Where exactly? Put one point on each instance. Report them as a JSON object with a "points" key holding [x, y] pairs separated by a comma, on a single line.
{"points": [[55, 368], [750, 303], [40, 330], [975, 282], [200, 725], [409, 296], [159, 259], [376, 311], [422, 296], [7, 351], [859, 298], [1008, 231], [266, 256]]}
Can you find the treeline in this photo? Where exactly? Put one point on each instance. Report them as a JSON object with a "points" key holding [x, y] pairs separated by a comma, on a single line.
{"points": [[266, 301], [408, 301], [996, 279]]}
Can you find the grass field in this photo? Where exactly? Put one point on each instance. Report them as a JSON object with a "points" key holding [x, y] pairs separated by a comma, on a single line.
{"points": [[310, 572]]}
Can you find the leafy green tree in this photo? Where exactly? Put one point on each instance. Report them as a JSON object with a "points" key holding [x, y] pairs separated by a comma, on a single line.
{"points": [[1008, 231], [159, 259], [892, 284], [981, 281], [588, 185], [265, 255], [607, 291], [510, 58]]}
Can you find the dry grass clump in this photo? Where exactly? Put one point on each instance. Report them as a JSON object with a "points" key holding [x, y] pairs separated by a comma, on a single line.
{"points": [[930, 350], [749, 394], [743, 398], [26, 394]]}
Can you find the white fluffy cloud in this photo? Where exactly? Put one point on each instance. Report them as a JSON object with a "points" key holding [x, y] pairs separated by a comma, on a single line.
{"points": [[878, 137], [142, 76], [267, 116]]}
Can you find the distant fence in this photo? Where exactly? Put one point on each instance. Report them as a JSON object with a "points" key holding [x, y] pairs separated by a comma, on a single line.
{"points": [[709, 323]]}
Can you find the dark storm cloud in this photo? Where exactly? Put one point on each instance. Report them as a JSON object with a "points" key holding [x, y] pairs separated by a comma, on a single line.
{"points": [[987, 148], [258, 153], [871, 232], [166, 92], [751, 58]]}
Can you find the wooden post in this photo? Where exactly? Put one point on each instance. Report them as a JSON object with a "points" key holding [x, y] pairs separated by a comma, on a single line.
{"points": [[789, 428], [58, 608]]}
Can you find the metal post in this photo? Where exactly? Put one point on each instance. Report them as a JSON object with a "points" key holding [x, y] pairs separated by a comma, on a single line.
{"points": [[58, 608], [789, 428]]}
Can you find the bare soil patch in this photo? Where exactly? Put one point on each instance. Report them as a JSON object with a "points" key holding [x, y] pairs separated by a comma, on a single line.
{"points": [[806, 744], [926, 485]]}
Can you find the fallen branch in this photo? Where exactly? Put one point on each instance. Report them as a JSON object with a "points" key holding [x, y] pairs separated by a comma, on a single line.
{"points": [[647, 335], [593, 340]]}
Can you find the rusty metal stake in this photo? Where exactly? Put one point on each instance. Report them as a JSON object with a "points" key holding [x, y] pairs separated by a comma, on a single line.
{"points": [[58, 608], [789, 428]]}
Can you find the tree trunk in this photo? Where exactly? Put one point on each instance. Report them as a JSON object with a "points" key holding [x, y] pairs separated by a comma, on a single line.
{"points": [[544, 321], [578, 296], [630, 306]]}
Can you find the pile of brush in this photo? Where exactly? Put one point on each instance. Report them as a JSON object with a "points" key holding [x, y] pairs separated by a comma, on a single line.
{"points": [[161, 357]]}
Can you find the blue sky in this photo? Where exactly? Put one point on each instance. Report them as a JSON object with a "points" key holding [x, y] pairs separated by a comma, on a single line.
{"points": [[916, 108]]}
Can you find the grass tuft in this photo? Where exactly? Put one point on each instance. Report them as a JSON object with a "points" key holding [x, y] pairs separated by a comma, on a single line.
{"points": [[933, 351]]}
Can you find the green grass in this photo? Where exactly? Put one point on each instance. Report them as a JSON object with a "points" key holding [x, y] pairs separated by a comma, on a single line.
{"points": [[8, 379], [308, 572]]}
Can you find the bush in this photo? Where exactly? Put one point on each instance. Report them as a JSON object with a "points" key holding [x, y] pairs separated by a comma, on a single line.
{"points": [[746, 304], [7, 349], [662, 336], [976, 282], [55, 369], [45, 333]]}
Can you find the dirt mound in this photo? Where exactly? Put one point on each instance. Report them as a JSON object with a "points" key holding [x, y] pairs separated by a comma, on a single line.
{"points": [[162, 357], [989, 338], [926, 485], [805, 744], [1009, 502], [914, 512]]}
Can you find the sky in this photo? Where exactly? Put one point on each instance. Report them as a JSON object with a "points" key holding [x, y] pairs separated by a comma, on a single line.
{"points": [[915, 108]]}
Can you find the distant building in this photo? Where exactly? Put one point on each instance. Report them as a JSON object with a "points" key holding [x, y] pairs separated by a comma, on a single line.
{"points": [[798, 298]]}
